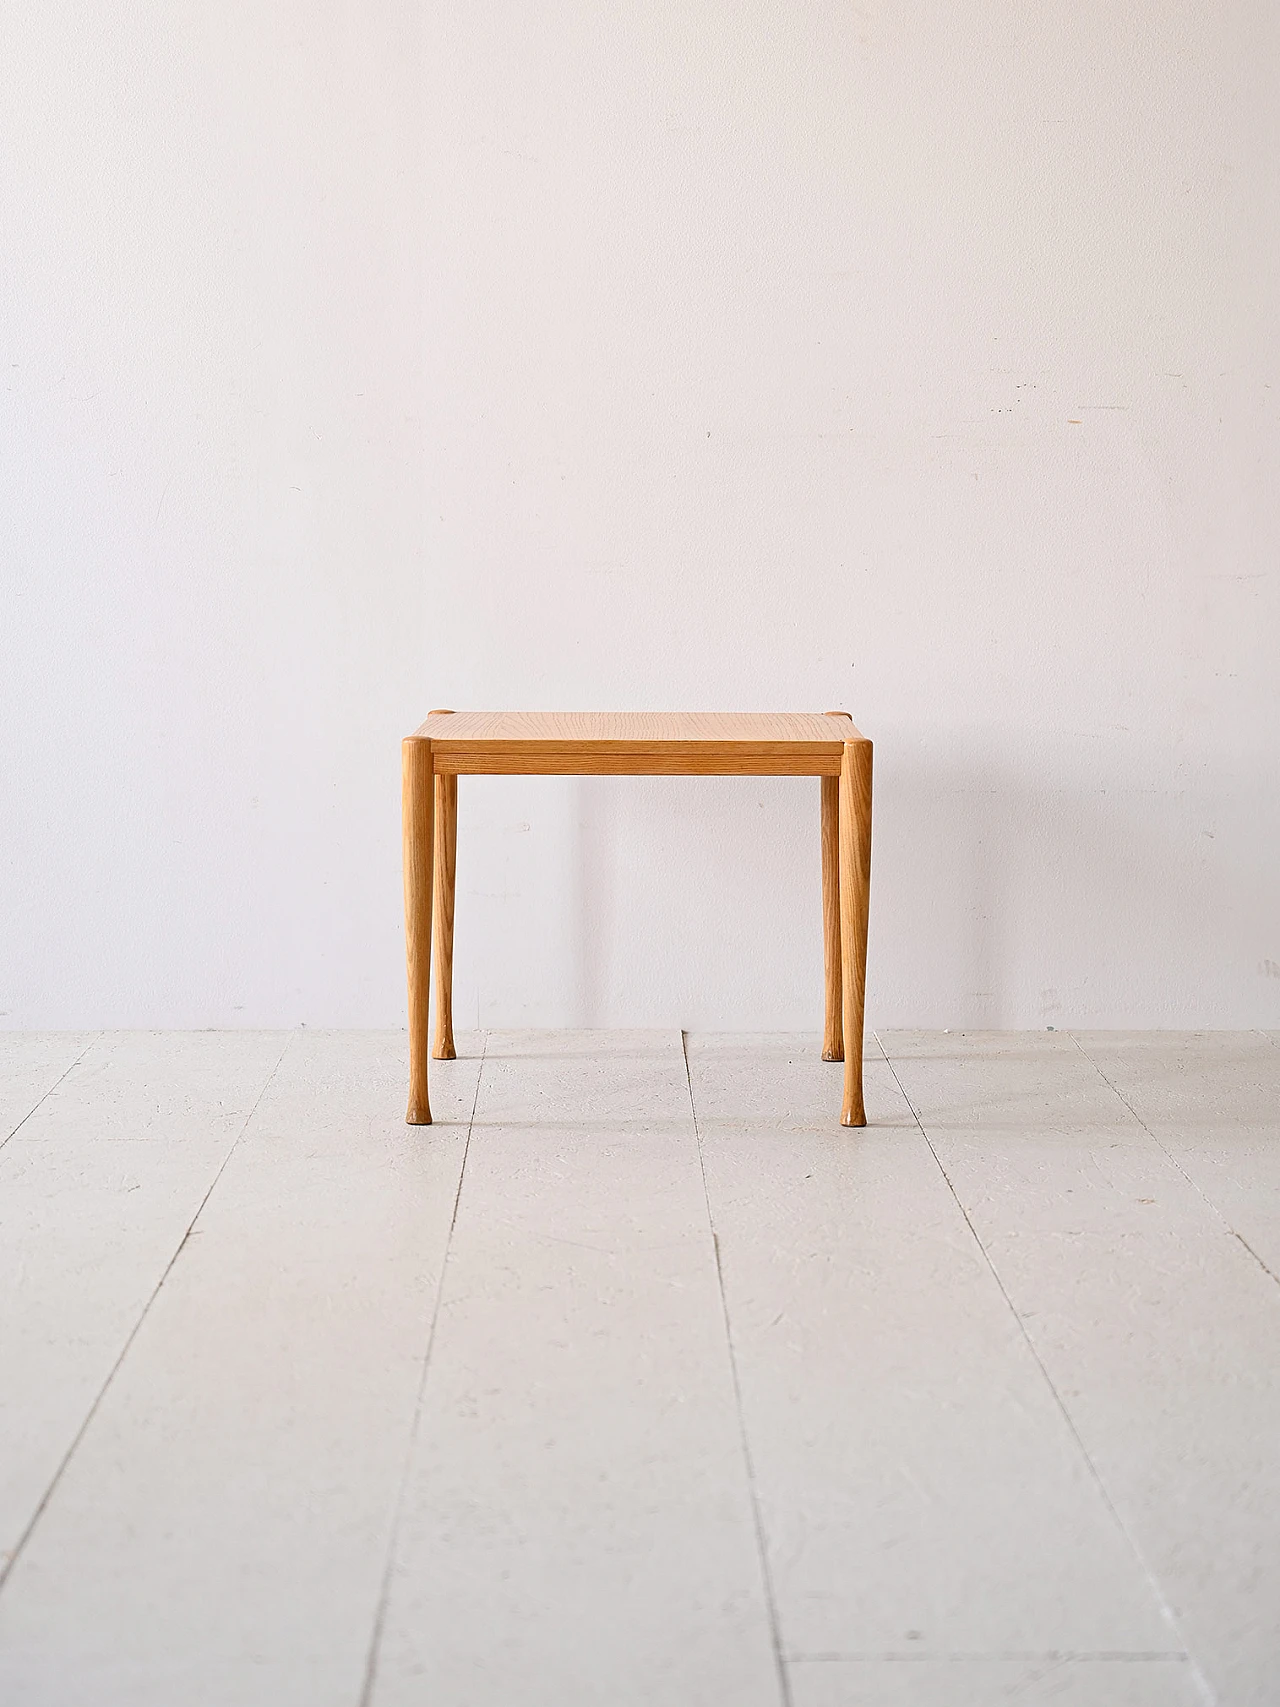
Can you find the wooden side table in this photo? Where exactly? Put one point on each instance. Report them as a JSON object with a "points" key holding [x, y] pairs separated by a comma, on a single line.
{"points": [[451, 744]]}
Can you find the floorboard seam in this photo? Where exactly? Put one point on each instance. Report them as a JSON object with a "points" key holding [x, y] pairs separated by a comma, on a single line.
{"points": [[80, 1433], [1173, 1161], [1020, 1656], [384, 1593], [1207, 1694], [775, 1633], [96, 1038]]}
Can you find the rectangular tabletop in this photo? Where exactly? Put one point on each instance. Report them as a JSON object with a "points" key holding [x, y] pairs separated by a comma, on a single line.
{"points": [[637, 743]]}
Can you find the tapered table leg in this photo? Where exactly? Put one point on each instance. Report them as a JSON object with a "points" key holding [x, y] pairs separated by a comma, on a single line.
{"points": [[419, 848], [855, 896], [446, 860], [833, 1018]]}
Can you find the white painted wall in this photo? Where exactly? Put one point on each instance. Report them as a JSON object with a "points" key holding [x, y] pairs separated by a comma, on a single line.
{"points": [[918, 359]]}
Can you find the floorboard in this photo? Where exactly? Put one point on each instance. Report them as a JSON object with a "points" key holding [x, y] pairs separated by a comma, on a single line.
{"points": [[97, 1190], [1039, 1680], [223, 1531], [1159, 1331], [1211, 1100], [592, 1400], [31, 1064], [578, 1525], [921, 1492]]}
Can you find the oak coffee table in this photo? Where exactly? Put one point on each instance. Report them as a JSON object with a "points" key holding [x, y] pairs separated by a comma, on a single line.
{"points": [[451, 744]]}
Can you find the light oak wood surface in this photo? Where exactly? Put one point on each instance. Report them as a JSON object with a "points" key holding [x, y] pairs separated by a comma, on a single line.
{"points": [[450, 744], [647, 726], [832, 988], [418, 800], [855, 895], [636, 743], [446, 864]]}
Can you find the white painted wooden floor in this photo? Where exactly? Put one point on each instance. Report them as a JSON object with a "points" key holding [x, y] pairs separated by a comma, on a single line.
{"points": [[635, 1379]]}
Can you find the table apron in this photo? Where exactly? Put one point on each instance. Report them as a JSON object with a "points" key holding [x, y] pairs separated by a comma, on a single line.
{"points": [[630, 758]]}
